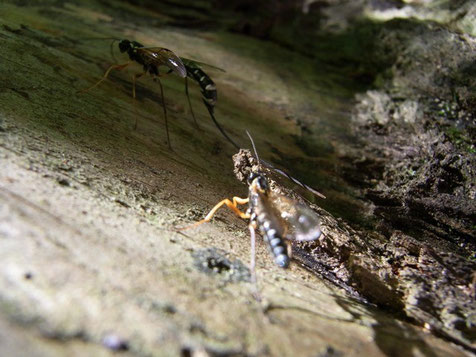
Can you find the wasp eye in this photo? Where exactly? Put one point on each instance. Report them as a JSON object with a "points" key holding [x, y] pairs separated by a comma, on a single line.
{"points": [[124, 45]]}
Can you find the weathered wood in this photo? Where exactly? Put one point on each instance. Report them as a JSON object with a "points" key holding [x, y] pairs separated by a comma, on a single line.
{"points": [[88, 205]]}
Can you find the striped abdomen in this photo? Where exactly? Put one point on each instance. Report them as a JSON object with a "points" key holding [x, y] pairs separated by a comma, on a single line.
{"points": [[207, 86], [273, 235]]}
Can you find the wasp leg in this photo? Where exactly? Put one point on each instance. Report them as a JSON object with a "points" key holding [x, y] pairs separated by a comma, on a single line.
{"points": [[255, 292], [252, 228], [231, 205], [119, 67], [165, 112], [190, 103], [134, 78]]}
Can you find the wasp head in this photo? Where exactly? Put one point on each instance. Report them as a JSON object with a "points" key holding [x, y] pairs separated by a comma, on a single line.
{"points": [[258, 181], [126, 45]]}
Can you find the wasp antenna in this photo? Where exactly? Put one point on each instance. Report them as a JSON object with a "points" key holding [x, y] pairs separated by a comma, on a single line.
{"points": [[254, 147], [100, 38]]}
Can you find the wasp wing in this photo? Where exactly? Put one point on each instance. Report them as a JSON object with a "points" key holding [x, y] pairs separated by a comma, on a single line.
{"points": [[163, 57], [303, 221], [272, 168], [193, 63]]}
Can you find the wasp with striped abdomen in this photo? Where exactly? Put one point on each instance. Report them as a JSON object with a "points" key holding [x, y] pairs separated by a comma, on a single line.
{"points": [[151, 59], [208, 89], [278, 218]]}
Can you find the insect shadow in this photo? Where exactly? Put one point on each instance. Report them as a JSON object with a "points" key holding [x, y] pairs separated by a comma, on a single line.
{"points": [[160, 61], [278, 218]]}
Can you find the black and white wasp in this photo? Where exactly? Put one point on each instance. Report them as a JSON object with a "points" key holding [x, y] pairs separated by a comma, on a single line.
{"points": [[208, 90], [279, 218], [152, 59]]}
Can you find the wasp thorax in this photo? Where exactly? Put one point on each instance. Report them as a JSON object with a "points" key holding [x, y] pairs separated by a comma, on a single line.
{"points": [[258, 180], [126, 45], [251, 177]]}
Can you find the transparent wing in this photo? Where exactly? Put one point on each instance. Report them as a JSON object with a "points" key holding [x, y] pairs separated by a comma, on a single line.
{"points": [[292, 179], [163, 57], [303, 221], [193, 63]]}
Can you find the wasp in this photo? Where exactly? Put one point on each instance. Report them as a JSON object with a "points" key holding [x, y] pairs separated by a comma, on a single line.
{"points": [[278, 218], [208, 90], [152, 59]]}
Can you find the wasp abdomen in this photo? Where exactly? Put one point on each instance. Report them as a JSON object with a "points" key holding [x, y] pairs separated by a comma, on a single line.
{"points": [[275, 241], [207, 86]]}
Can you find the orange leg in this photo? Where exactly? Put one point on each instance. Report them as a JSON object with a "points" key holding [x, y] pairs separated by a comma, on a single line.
{"points": [[231, 205], [119, 67]]}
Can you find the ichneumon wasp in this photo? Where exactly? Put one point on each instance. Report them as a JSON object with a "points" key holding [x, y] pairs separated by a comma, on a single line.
{"points": [[208, 89], [151, 59], [279, 218]]}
